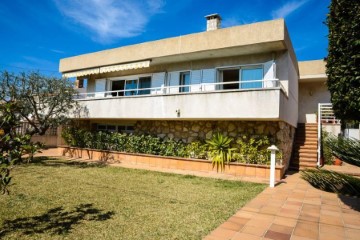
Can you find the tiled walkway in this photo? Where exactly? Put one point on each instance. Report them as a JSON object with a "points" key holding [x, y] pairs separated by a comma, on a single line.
{"points": [[293, 210]]}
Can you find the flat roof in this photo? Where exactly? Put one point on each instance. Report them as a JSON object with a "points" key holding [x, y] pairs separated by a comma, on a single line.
{"points": [[246, 39]]}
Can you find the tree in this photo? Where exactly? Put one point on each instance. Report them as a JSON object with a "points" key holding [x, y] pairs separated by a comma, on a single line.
{"points": [[43, 102], [11, 142], [343, 61]]}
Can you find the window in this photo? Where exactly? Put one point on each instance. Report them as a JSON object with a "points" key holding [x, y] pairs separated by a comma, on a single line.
{"points": [[118, 86], [144, 82], [106, 128], [131, 87], [125, 129], [80, 83], [241, 77], [184, 80], [251, 74], [230, 75], [116, 128]]}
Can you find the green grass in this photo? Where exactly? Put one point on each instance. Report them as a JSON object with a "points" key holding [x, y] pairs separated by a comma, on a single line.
{"points": [[59, 199]]}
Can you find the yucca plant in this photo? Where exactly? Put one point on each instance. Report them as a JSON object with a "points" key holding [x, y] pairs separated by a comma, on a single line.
{"points": [[346, 149], [220, 150], [331, 181]]}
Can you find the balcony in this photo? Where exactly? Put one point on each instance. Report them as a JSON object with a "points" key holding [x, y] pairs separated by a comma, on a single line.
{"points": [[245, 100]]}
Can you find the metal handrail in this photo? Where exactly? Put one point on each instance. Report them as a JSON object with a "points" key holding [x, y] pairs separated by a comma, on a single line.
{"points": [[165, 90], [325, 115]]}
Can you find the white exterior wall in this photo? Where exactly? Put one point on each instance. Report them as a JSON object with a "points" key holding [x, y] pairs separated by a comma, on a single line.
{"points": [[310, 95], [288, 76], [250, 105]]}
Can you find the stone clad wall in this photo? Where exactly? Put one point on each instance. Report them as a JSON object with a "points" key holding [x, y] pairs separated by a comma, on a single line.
{"points": [[280, 133]]}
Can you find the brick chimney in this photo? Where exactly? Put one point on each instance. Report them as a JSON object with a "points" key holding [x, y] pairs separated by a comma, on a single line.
{"points": [[213, 22]]}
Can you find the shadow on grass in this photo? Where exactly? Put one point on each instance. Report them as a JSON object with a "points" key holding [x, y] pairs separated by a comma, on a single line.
{"points": [[56, 221], [58, 162]]}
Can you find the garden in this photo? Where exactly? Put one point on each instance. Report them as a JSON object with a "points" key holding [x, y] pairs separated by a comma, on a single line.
{"points": [[220, 149], [57, 199]]}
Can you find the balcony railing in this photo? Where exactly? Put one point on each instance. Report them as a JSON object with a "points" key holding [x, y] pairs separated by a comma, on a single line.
{"points": [[325, 116], [185, 89]]}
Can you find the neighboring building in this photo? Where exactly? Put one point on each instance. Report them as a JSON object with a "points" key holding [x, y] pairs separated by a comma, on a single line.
{"points": [[241, 80]]}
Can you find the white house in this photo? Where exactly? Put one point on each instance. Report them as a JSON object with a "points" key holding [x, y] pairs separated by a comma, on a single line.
{"points": [[242, 80]]}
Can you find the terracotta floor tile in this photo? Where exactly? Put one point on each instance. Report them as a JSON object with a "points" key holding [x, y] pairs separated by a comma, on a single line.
{"points": [[331, 220], [331, 213], [255, 230], [352, 234], [285, 221], [222, 233], [304, 229], [257, 222], [232, 226], [281, 228], [238, 220], [245, 236], [269, 210], [244, 214], [331, 230], [277, 236], [284, 212], [293, 237]]}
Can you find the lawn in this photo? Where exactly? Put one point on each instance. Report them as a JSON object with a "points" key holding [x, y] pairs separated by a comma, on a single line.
{"points": [[59, 199]]}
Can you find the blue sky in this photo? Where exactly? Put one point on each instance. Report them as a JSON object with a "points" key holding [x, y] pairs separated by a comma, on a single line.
{"points": [[37, 34]]}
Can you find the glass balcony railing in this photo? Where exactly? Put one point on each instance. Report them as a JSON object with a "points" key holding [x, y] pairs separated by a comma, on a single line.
{"points": [[185, 89]]}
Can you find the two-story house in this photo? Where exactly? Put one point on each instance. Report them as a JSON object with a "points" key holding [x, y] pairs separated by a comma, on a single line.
{"points": [[241, 80]]}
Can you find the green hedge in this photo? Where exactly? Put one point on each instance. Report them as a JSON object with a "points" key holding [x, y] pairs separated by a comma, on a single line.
{"points": [[246, 150], [132, 143]]}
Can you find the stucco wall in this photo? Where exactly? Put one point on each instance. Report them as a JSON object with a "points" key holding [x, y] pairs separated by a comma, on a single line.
{"points": [[310, 95], [280, 133], [254, 104], [288, 76]]}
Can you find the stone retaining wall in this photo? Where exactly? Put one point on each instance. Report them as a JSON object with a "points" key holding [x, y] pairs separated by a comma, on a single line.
{"points": [[280, 133]]}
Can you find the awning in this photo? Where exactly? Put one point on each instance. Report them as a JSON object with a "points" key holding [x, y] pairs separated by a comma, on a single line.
{"points": [[81, 73], [122, 67], [113, 68]]}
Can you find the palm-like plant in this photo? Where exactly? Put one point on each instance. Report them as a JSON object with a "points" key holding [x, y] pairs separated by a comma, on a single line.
{"points": [[220, 151]]}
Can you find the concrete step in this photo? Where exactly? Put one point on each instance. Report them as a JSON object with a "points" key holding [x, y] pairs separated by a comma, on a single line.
{"points": [[305, 147], [305, 155], [306, 150], [305, 143], [304, 160]]}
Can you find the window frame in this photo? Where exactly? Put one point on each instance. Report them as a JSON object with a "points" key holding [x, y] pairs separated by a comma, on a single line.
{"points": [[182, 81]]}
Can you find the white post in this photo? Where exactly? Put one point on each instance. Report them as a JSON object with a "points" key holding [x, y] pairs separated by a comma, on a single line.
{"points": [[273, 150]]}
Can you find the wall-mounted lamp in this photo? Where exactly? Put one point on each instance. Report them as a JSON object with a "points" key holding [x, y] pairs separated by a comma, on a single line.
{"points": [[178, 112]]}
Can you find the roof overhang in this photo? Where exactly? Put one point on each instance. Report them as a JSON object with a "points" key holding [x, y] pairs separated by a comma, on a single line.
{"points": [[106, 69], [247, 39]]}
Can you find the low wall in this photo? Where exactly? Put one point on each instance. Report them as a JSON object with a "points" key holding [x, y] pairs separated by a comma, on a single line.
{"points": [[233, 169], [47, 140]]}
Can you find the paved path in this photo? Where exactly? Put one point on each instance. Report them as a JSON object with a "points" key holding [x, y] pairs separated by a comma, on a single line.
{"points": [[292, 210]]}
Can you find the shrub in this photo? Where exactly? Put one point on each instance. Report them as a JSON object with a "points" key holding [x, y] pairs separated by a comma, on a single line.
{"points": [[253, 150], [197, 149], [326, 151]]}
